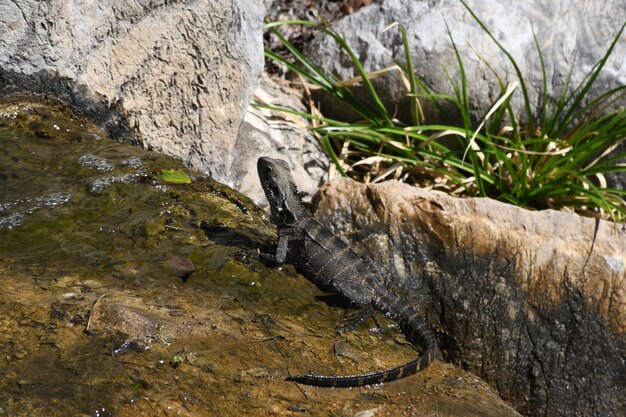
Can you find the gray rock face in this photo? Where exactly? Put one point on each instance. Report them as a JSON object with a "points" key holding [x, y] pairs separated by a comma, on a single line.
{"points": [[175, 76], [534, 302], [278, 135], [573, 35]]}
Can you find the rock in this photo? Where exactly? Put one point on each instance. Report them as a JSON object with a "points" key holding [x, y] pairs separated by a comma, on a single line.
{"points": [[534, 302], [279, 135], [573, 36], [173, 76], [129, 319], [181, 267], [101, 327]]}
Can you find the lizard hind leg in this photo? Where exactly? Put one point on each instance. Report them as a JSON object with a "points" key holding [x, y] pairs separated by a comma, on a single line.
{"points": [[354, 320]]}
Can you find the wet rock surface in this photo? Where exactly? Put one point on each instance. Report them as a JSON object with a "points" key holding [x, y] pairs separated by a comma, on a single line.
{"points": [[96, 320], [534, 302]]}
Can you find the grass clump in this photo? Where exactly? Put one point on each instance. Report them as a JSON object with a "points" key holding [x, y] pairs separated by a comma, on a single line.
{"points": [[557, 158]]}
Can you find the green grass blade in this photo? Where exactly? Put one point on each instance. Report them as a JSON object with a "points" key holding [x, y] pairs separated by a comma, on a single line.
{"points": [[333, 156], [577, 100], [410, 73], [544, 80], [529, 113], [381, 110]]}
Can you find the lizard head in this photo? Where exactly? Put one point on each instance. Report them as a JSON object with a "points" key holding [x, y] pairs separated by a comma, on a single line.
{"points": [[280, 190]]}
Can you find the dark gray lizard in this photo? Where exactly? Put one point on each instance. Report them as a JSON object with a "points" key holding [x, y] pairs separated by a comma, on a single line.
{"points": [[331, 264]]}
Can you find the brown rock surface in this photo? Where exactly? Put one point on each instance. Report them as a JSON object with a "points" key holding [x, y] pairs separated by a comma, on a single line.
{"points": [[535, 302]]}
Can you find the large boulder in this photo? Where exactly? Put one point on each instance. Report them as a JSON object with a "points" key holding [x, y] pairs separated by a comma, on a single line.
{"points": [[534, 302], [173, 76], [573, 37]]}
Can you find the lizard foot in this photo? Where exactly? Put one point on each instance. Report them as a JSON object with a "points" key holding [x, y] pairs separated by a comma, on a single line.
{"points": [[354, 320]]}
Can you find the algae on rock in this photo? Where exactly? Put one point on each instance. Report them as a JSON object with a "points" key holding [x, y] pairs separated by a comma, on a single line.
{"points": [[96, 320]]}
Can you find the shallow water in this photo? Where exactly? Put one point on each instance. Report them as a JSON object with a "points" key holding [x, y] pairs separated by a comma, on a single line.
{"points": [[96, 320]]}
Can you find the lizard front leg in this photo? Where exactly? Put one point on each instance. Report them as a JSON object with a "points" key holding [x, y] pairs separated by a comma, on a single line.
{"points": [[281, 248]]}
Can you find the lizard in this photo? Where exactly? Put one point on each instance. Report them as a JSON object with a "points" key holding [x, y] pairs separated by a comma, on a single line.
{"points": [[330, 264]]}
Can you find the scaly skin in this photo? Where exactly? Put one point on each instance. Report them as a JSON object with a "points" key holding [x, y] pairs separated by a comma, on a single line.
{"points": [[331, 264]]}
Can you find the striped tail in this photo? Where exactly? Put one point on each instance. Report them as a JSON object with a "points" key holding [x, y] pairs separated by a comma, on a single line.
{"points": [[415, 330]]}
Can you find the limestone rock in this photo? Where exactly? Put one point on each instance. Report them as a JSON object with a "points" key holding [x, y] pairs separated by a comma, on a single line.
{"points": [[174, 76], [534, 302], [572, 35], [279, 135]]}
